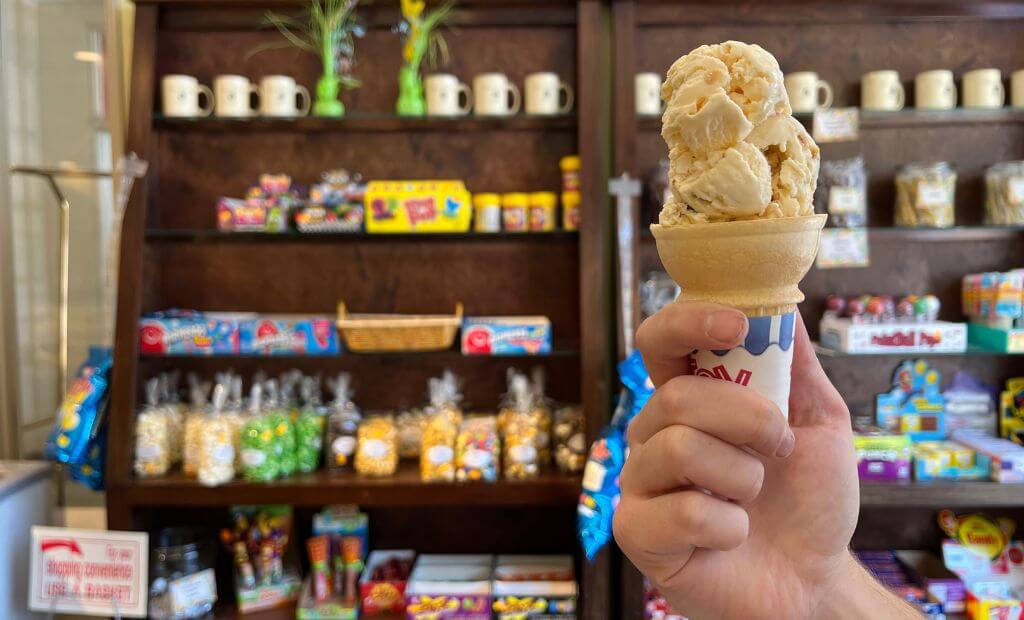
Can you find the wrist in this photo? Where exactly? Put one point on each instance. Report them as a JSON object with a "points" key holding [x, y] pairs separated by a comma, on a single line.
{"points": [[853, 593]]}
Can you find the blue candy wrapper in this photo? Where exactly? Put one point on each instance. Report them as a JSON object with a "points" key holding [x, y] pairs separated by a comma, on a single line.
{"points": [[90, 473], [600, 495], [79, 417]]}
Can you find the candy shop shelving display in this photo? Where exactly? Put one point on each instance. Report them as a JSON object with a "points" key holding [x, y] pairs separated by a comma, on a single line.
{"points": [[174, 256]]}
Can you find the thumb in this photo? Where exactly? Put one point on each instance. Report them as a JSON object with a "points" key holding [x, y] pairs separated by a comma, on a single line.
{"points": [[812, 397]]}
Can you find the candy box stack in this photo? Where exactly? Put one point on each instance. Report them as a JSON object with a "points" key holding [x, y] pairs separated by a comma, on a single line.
{"points": [[981, 553], [914, 406], [1007, 458], [534, 586], [993, 302], [288, 335], [442, 587], [928, 571], [335, 204], [882, 457], [382, 586], [417, 206], [949, 460], [885, 324], [524, 335], [266, 207], [187, 332]]}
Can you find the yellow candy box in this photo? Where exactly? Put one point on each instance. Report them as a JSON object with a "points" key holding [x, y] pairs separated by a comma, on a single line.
{"points": [[417, 206]]}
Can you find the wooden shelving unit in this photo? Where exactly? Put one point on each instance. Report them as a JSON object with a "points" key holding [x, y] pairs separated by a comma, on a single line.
{"points": [[172, 256], [648, 35]]}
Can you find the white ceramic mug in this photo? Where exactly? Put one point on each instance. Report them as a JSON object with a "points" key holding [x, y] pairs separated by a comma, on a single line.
{"points": [[882, 90], [181, 96], [935, 90], [544, 92], [647, 94], [443, 93], [1017, 89], [983, 88], [807, 92], [494, 95], [233, 96], [279, 95]]}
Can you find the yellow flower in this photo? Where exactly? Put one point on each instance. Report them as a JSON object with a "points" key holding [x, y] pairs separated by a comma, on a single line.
{"points": [[411, 9]]}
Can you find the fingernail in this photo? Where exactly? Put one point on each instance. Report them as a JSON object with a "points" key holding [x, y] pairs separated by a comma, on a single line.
{"points": [[786, 447], [724, 325]]}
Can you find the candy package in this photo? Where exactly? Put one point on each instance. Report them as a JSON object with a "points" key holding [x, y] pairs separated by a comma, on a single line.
{"points": [[309, 427], [91, 472], [542, 410], [377, 449], [217, 446], [152, 434], [568, 439], [193, 431], [520, 430], [280, 419], [410, 433], [342, 425], [260, 461], [80, 415], [477, 449], [175, 415], [437, 453]]}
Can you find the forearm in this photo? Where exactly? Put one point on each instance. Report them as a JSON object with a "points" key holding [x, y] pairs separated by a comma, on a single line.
{"points": [[858, 595]]}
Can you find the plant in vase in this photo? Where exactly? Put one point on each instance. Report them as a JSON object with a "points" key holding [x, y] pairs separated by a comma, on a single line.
{"points": [[329, 31], [422, 39]]}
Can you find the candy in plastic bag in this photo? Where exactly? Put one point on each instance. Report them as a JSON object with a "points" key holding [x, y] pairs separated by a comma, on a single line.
{"points": [[79, 416], [90, 473], [342, 425]]}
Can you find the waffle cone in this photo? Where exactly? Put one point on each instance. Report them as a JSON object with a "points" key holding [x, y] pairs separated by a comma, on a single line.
{"points": [[752, 265]]}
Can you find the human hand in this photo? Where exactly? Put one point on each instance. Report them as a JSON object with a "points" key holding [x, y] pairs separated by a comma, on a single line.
{"points": [[729, 510]]}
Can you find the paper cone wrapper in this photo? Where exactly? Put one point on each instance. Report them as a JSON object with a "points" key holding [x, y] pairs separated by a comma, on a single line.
{"points": [[754, 266]]}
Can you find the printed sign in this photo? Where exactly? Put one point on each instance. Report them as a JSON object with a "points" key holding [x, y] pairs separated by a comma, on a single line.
{"points": [[90, 573], [761, 363], [843, 247], [836, 125]]}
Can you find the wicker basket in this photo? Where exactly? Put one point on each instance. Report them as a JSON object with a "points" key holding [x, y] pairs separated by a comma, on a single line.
{"points": [[379, 333]]}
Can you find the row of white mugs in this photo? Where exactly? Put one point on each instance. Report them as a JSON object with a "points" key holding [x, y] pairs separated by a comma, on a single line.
{"points": [[493, 94], [879, 90]]}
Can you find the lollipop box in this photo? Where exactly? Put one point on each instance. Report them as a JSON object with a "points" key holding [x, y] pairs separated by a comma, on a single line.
{"points": [[842, 334]]}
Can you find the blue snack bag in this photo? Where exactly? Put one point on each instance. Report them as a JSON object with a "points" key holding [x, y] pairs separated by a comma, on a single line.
{"points": [[79, 416], [90, 473]]}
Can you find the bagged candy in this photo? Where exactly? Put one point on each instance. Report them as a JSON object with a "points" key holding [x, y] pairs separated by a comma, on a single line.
{"points": [[260, 461], [217, 445], [542, 410], [410, 433], [437, 452], [309, 427], [569, 441], [521, 430], [234, 413], [477, 449], [79, 418], [194, 426], [342, 425], [152, 430], [284, 429], [90, 473], [175, 415], [377, 449]]}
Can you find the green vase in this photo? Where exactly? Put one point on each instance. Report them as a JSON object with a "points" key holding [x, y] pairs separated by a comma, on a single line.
{"points": [[410, 93], [327, 103]]}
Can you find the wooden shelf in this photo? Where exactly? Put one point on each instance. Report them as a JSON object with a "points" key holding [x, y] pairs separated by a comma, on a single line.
{"points": [[942, 495], [365, 123], [904, 118], [900, 233], [199, 235], [972, 351], [404, 489], [448, 355]]}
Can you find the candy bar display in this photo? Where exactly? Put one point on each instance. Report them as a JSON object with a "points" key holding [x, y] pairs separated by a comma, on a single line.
{"points": [[925, 195], [842, 192], [266, 208], [1004, 194], [883, 323], [259, 544], [335, 204]]}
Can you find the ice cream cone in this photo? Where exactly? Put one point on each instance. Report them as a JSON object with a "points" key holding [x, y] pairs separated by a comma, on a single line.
{"points": [[752, 265]]}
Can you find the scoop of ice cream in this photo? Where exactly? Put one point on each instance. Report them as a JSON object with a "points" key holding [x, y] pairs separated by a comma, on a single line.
{"points": [[735, 150]]}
